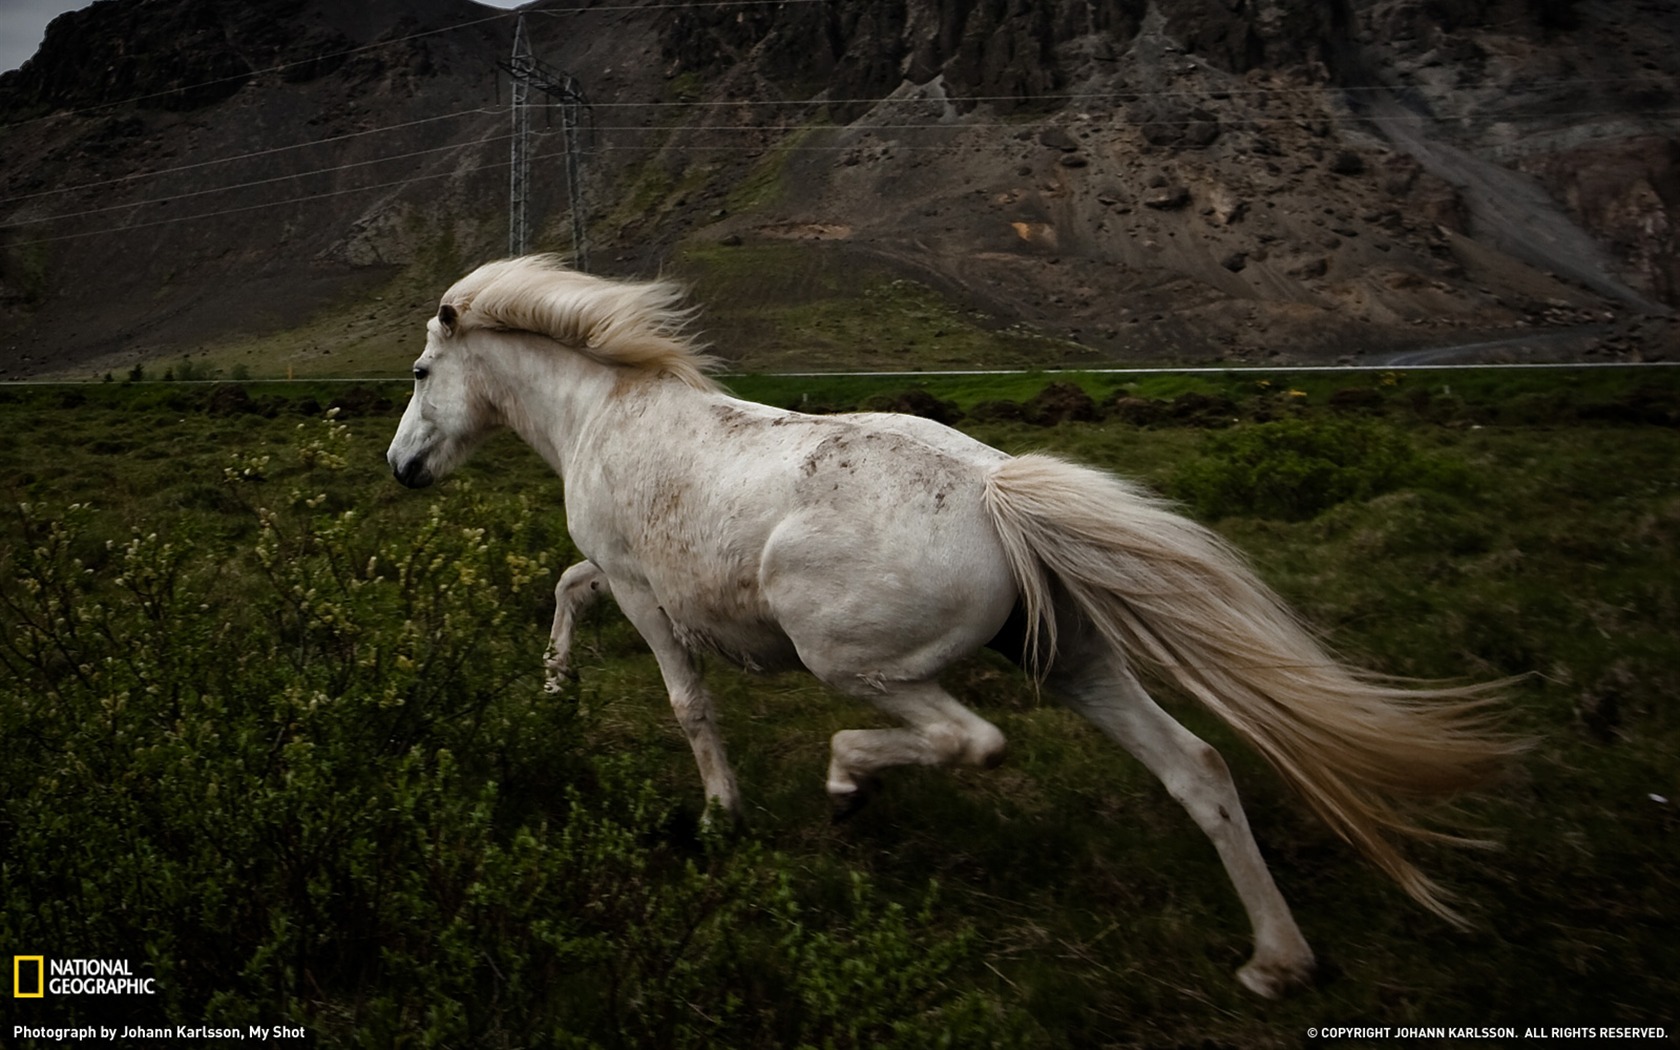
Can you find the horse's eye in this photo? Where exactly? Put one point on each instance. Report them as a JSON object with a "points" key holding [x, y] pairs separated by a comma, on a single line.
{"points": [[420, 373]]}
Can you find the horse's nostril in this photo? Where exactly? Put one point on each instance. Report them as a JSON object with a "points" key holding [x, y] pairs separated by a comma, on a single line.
{"points": [[412, 474]]}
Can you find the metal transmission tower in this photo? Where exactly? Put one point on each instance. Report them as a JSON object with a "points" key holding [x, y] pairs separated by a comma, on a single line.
{"points": [[563, 88]]}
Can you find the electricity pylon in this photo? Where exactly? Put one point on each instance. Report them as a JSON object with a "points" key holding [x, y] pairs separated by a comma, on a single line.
{"points": [[563, 88]]}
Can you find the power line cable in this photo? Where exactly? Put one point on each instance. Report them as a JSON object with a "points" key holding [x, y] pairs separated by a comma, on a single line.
{"points": [[1227, 121], [172, 198], [271, 151], [1119, 94], [304, 199]]}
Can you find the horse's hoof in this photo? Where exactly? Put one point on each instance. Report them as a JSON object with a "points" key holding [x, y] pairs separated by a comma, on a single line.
{"points": [[1276, 980], [722, 820], [846, 806], [846, 803], [557, 678]]}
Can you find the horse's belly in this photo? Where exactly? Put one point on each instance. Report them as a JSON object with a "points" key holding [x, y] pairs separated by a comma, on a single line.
{"points": [[752, 643]]}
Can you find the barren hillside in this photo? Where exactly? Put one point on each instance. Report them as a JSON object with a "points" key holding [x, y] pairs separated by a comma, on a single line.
{"points": [[287, 184]]}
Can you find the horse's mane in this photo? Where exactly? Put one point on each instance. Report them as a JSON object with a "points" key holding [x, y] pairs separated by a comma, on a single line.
{"points": [[638, 324]]}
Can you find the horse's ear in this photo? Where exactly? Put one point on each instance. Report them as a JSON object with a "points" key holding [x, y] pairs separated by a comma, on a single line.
{"points": [[447, 316]]}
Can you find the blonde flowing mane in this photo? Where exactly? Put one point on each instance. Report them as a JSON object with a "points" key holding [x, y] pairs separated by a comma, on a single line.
{"points": [[637, 324]]}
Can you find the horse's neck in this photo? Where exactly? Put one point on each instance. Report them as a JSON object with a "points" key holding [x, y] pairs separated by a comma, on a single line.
{"points": [[546, 394]]}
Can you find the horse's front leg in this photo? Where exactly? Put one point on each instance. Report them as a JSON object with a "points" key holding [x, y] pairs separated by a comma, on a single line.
{"points": [[580, 586], [689, 698]]}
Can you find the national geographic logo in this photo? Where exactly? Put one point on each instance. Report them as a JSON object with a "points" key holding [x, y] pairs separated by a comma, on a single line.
{"points": [[36, 977], [29, 976]]}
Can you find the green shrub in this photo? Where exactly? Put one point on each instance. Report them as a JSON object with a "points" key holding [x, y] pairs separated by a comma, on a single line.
{"points": [[1294, 469]]}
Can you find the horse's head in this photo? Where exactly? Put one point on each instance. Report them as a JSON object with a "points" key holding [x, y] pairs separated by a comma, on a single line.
{"points": [[474, 376], [448, 414]]}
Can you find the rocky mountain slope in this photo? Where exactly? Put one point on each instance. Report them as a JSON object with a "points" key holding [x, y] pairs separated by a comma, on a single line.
{"points": [[1183, 180]]}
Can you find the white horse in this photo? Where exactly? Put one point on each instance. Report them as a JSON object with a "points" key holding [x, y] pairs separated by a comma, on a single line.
{"points": [[874, 550]]}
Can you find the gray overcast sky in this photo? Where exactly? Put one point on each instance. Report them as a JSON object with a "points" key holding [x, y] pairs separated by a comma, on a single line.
{"points": [[23, 22]]}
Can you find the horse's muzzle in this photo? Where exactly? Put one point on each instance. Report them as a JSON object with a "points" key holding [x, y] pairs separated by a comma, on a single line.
{"points": [[412, 473]]}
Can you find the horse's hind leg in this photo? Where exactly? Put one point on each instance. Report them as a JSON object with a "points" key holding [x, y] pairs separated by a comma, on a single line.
{"points": [[939, 731], [580, 586], [1106, 692]]}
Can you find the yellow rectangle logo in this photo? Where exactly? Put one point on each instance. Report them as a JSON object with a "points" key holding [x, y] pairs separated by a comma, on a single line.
{"points": [[18, 970]]}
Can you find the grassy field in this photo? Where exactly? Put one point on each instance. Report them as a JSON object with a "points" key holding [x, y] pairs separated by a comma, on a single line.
{"points": [[274, 731]]}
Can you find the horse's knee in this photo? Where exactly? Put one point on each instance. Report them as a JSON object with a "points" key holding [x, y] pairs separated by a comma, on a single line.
{"points": [[1210, 762], [693, 719], [580, 584], [1206, 788], [1205, 773], [694, 714]]}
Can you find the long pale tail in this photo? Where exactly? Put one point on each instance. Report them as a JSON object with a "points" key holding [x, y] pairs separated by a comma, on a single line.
{"points": [[1176, 598]]}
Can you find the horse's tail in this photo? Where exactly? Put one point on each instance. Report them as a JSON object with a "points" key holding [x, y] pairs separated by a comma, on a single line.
{"points": [[1171, 594]]}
